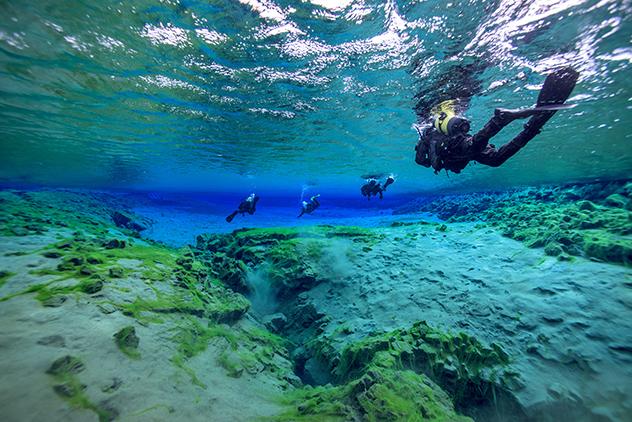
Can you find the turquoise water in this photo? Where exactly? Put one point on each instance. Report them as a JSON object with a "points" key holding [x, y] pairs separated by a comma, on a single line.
{"points": [[277, 95], [130, 130]]}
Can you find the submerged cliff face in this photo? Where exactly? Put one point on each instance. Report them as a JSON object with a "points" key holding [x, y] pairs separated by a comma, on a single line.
{"points": [[425, 320]]}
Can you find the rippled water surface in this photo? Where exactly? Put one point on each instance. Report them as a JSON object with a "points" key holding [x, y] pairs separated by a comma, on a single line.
{"points": [[216, 95]]}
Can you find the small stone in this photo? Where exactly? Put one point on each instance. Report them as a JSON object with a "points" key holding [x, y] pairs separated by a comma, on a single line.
{"points": [[116, 272], [106, 308], [52, 254], [85, 271], [115, 244], [69, 389], [127, 338], [94, 260], [76, 260], [54, 302], [66, 365], [275, 322], [92, 286], [112, 386], [20, 231], [54, 341], [553, 249], [617, 201]]}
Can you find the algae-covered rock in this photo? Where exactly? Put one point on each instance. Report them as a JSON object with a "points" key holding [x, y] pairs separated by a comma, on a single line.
{"points": [[563, 220], [127, 220], [92, 285], [553, 249], [381, 394], [69, 389], [66, 365], [127, 341], [617, 200]]}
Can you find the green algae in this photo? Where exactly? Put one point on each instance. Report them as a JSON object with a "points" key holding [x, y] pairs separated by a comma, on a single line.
{"points": [[5, 276], [578, 220], [379, 394], [467, 370], [68, 386], [127, 342]]}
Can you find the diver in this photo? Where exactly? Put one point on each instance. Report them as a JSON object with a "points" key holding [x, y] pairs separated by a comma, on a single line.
{"points": [[447, 145], [375, 188], [248, 205], [310, 207]]}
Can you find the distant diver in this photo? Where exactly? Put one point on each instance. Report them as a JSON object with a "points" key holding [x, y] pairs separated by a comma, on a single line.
{"points": [[374, 188], [310, 206], [248, 205], [447, 145]]}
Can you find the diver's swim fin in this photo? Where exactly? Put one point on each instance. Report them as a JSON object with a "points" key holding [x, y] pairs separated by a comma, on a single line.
{"points": [[521, 113], [556, 89], [230, 217]]}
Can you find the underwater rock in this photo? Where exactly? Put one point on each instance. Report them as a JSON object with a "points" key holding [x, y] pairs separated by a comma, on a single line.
{"points": [[112, 385], [553, 249], [114, 244], [66, 365], [125, 220], [69, 389], [52, 254], [126, 338], [54, 301], [54, 341], [582, 220], [275, 322], [116, 272], [617, 200], [231, 272], [19, 231], [106, 308], [93, 285]]}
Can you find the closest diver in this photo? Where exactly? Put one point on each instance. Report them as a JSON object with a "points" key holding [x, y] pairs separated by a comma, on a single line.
{"points": [[447, 145], [248, 205]]}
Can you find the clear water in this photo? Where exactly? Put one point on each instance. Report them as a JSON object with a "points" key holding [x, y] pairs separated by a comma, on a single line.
{"points": [[278, 95], [181, 108]]}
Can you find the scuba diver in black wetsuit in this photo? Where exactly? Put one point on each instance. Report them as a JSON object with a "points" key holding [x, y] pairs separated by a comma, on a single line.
{"points": [[447, 145], [248, 205], [375, 188], [309, 207]]}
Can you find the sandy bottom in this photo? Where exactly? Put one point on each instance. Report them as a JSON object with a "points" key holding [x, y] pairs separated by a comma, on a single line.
{"points": [[148, 389], [567, 325]]}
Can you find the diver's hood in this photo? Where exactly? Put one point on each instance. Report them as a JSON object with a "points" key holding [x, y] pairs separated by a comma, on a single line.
{"points": [[451, 124], [448, 121]]}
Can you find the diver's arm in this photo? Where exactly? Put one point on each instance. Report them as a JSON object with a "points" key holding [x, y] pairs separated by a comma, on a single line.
{"points": [[481, 138]]}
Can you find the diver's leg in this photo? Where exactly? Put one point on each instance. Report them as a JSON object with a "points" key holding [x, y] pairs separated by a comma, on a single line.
{"points": [[231, 216], [493, 157], [491, 129]]}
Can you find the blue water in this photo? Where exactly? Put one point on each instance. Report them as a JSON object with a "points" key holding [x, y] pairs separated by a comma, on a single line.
{"points": [[179, 218], [274, 95]]}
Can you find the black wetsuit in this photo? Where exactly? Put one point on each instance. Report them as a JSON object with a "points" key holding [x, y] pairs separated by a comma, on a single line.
{"points": [[309, 207], [248, 205], [453, 153], [375, 188]]}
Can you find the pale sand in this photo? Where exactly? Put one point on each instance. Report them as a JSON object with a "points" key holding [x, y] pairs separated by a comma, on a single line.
{"points": [[567, 325], [152, 388]]}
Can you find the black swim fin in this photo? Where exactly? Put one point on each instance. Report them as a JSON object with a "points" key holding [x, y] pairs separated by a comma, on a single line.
{"points": [[521, 113], [556, 89], [230, 217]]}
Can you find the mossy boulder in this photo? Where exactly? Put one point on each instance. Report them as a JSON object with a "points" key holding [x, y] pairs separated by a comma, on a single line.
{"points": [[66, 365], [127, 341]]}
